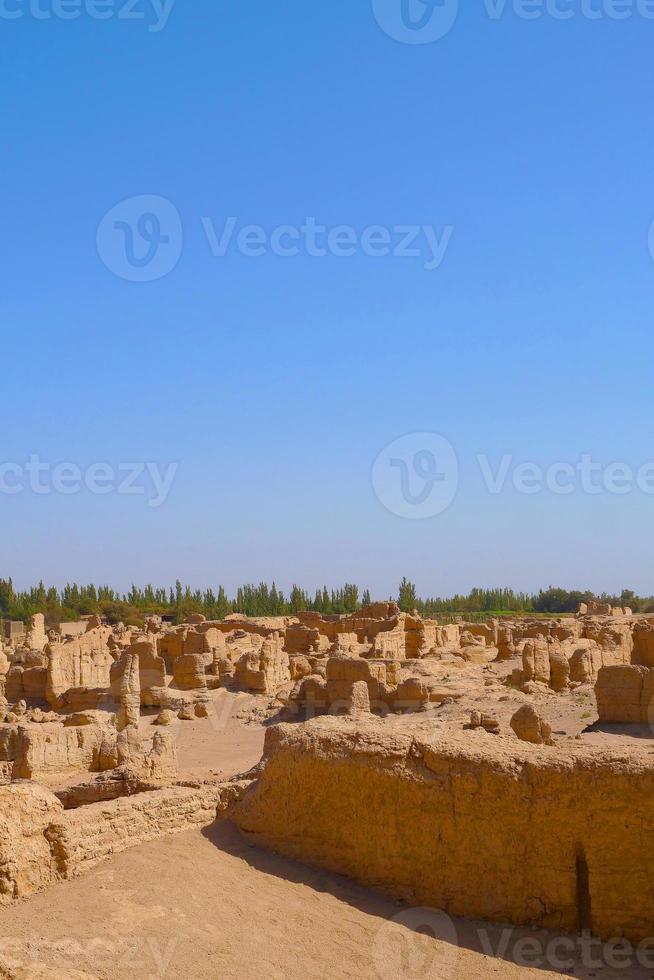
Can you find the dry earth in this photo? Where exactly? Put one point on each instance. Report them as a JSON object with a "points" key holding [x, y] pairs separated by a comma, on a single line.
{"points": [[206, 905], [221, 743]]}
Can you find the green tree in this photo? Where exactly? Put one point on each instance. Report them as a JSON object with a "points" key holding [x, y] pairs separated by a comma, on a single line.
{"points": [[407, 596]]}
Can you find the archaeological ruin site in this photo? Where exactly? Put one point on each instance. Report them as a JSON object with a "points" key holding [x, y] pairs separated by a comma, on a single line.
{"points": [[327, 472], [496, 771]]}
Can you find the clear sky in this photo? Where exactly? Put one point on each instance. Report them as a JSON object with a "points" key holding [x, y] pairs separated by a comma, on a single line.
{"points": [[274, 382]]}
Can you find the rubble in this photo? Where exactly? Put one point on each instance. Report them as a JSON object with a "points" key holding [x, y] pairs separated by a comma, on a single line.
{"points": [[530, 727], [393, 783]]}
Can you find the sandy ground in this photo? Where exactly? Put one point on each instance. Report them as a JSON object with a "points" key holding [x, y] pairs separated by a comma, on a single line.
{"points": [[205, 905], [220, 743]]}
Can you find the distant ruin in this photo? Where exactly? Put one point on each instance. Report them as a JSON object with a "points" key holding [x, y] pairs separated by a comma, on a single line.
{"points": [[383, 730]]}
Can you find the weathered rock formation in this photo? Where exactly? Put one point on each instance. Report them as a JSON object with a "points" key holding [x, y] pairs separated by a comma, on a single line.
{"points": [[152, 668], [625, 694], [530, 727], [265, 671], [407, 815], [40, 751], [41, 843], [81, 662], [189, 672], [126, 689]]}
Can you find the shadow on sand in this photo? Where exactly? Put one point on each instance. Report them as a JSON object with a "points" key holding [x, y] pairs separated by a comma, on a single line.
{"points": [[619, 730], [555, 953]]}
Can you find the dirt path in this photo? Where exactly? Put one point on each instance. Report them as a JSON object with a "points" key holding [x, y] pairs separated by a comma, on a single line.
{"points": [[206, 905], [222, 742]]}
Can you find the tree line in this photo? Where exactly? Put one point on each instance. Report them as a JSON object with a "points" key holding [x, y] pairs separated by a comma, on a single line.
{"points": [[178, 601]]}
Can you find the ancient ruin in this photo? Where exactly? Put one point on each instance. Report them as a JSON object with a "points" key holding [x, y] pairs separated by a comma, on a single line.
{"points": [[381, 745]]}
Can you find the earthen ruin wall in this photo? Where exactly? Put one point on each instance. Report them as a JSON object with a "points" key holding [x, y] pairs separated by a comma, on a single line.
{"points": [[559, 838], [41, 843]]}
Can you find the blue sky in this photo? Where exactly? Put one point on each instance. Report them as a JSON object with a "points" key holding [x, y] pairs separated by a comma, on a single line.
{"points": [[275, 382]]}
